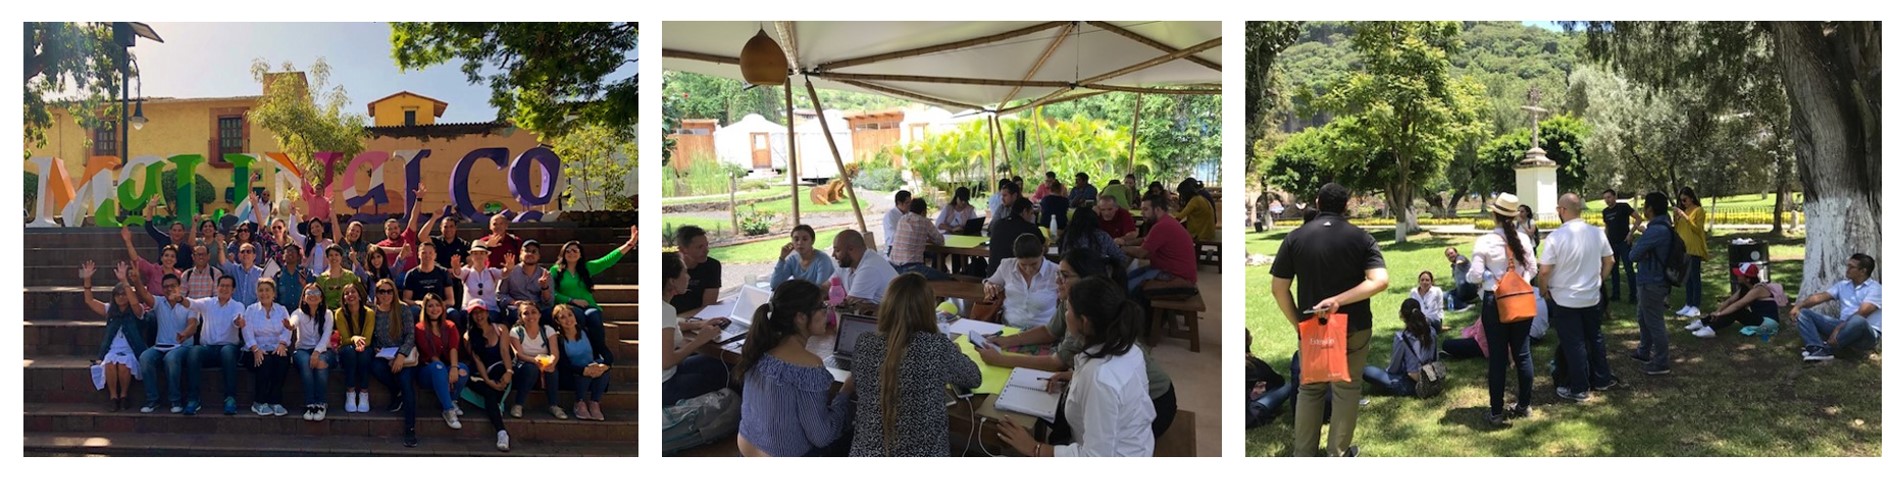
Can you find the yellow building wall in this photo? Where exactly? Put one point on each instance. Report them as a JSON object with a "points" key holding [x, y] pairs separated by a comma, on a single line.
{"points": [[389, 112], [186, 128]]}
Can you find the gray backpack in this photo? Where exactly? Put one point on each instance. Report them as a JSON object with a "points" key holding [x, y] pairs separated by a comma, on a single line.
{"points": [[698, 420]]}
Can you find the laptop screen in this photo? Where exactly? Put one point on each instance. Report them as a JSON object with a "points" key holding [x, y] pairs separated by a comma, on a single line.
{"points": [[850, 327]]}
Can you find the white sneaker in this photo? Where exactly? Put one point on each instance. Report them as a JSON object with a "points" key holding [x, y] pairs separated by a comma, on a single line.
{"points": [[502, 441], [363, 401], [1694, 312], [1682, 311], [260, 409], [1704, 333], [457, 407], [176, 409], [278, 410], [319, 415], [1695, 325], [449, 417], [349, 401], [310, 413]]}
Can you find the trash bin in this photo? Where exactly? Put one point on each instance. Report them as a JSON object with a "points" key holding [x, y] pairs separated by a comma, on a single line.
{"points": [[1746, 250]]}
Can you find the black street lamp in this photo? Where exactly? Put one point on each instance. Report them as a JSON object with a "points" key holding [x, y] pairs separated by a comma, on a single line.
{"points": [[126, 35]]}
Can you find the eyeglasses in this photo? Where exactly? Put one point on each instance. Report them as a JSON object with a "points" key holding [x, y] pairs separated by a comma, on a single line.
{"points": [[385, 290]]}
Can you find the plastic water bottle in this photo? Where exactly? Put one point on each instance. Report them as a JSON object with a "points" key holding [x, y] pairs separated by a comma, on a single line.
{"points": [[836, 295]]}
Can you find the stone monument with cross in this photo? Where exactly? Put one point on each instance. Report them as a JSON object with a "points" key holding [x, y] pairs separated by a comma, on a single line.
{"points": [[1538, 177]]}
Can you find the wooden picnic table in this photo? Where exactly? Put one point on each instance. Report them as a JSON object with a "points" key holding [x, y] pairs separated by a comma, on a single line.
{"points": [[958, 250]]}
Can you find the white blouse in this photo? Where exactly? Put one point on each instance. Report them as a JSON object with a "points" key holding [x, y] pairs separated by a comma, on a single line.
{"points": [[1027, 303], [1490, 259], [1108, 407], [1432, 304]]}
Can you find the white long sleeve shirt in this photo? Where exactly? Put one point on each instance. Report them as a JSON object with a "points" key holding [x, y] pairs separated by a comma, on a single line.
{"points": [[1027, 303], [264, 327], [217, 321], [1490, 259], [1108, 407], [1432, 303], [312, 336]]}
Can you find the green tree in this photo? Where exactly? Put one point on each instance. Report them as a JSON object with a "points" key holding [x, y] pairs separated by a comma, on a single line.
{"points": [[1265, 87], [1829, 76], [1300, 165], [1403, 114], [307, 114], [595, 162], [1562, 137], [75, 61], [539, 74]]}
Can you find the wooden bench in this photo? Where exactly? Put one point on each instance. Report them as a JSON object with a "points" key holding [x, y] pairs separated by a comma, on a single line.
{"points": [[1190, 307], [1179, 440]]}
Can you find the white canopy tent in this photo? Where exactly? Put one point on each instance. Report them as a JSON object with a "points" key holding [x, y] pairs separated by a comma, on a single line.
{"points": [[994, 67]]}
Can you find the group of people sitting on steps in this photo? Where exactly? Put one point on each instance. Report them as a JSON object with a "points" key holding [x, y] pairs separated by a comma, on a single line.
{"points": [[1082, 315], [478, 322]]}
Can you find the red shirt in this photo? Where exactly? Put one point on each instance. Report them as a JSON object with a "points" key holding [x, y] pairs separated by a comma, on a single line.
{"points": [[437, 347], [1171, 249], [511, 245], [408, 258], [1119, 225]]}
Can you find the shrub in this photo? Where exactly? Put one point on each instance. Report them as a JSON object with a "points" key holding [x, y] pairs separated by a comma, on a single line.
{"points": [[876, 175], [755, 223]]}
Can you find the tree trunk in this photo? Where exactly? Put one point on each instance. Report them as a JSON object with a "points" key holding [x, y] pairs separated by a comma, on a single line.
{"points": [[1832, 78], [1397, 202], [1453, 203], [1436, 205], [1783, 196]]}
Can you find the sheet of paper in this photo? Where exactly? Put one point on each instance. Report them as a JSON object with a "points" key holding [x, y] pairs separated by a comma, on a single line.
{"points": [[386, 353], [994, 376], [964, 326], [1029, 378]]}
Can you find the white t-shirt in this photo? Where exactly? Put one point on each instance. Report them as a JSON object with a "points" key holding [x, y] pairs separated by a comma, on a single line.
{"points": [[1575, 253], [670, 321], [1027, 303], [479, 283], [217, 322], [891, 228], [868, 280], [1432, 303]]}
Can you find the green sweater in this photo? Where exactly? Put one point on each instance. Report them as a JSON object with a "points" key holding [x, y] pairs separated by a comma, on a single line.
{"points": [[568, 286]]}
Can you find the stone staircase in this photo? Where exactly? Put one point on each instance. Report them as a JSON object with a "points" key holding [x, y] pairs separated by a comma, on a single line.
{"points": [[64, 415]]}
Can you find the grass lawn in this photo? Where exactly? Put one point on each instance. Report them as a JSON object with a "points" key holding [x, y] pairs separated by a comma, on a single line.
{"points": [[744, 195], [1470, 208], [1728, 396]]}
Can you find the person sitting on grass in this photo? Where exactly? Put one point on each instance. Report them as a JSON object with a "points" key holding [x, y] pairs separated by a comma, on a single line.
{"points": [[1432, 300], [788, 408], [1857, 328], [1464, 293], [1754, 303], [1075, 266], [1413, 346], [799, 260]]}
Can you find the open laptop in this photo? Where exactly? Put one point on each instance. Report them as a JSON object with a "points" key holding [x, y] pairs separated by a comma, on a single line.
{"points": [[749, 299], [975, 226], [843, 347]]}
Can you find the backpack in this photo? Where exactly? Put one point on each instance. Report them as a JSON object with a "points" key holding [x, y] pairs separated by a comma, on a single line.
{"points": [[1430, 380], [699, 420], [1677, 263]]}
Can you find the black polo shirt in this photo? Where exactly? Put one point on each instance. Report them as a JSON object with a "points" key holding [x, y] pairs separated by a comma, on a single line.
{"points": [[1004, 239], [1617, 222], [1325, 257], [454, 247], [699, 280]]}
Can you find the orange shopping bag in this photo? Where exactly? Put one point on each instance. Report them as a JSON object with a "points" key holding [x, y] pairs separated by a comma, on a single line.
{"points": [[1324, 349]]}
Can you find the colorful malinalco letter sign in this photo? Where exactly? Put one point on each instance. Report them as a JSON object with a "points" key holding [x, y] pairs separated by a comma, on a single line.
{"points": [[108, 187]]}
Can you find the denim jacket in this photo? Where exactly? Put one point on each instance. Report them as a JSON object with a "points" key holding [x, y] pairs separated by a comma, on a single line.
{"points": [[1650, 250], [131, 325]]}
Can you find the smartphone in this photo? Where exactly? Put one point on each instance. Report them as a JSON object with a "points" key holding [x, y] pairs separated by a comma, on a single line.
{"points": [[977, 339]]}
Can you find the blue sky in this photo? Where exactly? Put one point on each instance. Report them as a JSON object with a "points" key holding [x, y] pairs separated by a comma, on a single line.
{"points": [[214, 59]]}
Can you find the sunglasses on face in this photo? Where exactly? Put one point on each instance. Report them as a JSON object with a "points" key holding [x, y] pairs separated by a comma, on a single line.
{"points": [[385, 290]]}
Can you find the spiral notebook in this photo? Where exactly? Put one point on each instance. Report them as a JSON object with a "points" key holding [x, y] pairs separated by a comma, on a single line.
{"points": [[1024, 394]]}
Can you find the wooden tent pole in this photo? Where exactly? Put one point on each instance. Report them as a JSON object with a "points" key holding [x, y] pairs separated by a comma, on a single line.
{"points": [[941, 47], [1135, 121], [717, 59], [1137, 89], [1050, 99], [792, 155], [1112, 28], [992, 128], [904, 94], [943, 80], [1003, 142], [1180, 54], [836, 160], [1047, 52]]}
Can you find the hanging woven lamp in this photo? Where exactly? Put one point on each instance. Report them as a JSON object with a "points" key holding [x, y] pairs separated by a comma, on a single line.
{"points": [[762, 62]]}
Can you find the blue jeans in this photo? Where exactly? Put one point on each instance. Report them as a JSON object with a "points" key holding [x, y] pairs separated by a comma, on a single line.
{"points": [[1694, 286], [1581, 341], [590, 320], [528, 375], [1393, 384], [694, 376], [1508, 344], [200, 356], [1143, 274], [1621, 271], [1816, 328], [586, 388], [922, 268], [174, 363], [316, 381], [1461, 294], [355, 366], [402, 388], [436, 376]]}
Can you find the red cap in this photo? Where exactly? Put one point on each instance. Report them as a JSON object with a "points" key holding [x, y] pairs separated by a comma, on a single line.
{"points": [[1747, 270]]}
